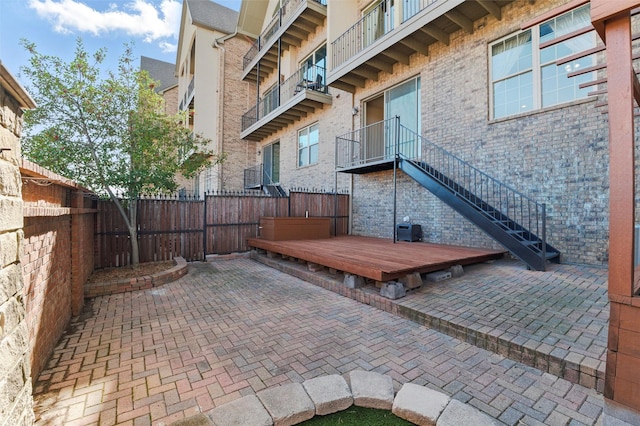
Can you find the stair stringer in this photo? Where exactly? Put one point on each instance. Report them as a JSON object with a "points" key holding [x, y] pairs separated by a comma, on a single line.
{"points": [[512, 244]]}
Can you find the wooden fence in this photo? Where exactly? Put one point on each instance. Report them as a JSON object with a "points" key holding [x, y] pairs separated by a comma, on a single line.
{"points": [[221, 223]]}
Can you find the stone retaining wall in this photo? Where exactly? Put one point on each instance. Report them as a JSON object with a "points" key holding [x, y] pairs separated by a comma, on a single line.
{"points": [[16, 403]]}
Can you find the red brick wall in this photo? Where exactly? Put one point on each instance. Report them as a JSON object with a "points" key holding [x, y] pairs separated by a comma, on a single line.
{"points": [[57, 257], [47, 278]]}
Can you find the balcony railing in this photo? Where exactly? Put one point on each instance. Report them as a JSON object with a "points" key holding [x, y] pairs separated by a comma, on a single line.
{"points": [[370, 144], [280, 19], [306, 78], [373, 26], [253, 177]]}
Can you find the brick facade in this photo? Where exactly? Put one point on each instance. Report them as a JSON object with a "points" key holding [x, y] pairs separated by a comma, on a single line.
{"points": [[16, 402], [333, 120], [557, 155], [238, 97], [57, 256]]}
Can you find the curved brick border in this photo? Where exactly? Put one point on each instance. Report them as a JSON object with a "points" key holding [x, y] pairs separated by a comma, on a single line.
{"points": [[294, 403], [140, 283]]}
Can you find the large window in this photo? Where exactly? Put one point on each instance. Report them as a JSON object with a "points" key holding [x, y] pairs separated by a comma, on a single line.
{"points": [[308, 139], [524, 74]]}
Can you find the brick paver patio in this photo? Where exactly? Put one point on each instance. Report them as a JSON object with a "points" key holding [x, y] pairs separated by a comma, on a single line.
{"points": [[232, 328]]}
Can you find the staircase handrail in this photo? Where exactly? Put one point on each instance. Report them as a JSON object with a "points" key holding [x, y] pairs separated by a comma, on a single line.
{"points": [[453, 172], [458, 159]]}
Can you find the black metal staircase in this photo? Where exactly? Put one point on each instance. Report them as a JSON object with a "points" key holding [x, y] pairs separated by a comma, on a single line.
{"points": [[511, 218], [520, 241], [274, 190]]}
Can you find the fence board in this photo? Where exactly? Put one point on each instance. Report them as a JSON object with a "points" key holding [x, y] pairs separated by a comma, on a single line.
{"points": [[174, 227]]}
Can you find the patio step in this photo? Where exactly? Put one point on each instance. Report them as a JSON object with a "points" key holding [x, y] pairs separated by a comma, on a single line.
{"points": [[562, 363]]}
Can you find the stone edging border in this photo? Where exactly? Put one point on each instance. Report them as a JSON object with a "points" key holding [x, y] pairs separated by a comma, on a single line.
{"points": [[295, 403], [140, 283], [571, 366]]}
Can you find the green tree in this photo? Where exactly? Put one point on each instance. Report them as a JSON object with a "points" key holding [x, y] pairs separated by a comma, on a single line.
{"points": [[107, 130]]}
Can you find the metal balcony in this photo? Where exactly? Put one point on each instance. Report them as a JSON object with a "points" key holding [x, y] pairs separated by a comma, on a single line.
{"points": [[376, 43], [299, 95], [293, 23]]}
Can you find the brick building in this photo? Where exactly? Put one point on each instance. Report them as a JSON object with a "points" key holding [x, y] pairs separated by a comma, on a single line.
{"points": [[210, 88], [16, 403], [463, 76]]}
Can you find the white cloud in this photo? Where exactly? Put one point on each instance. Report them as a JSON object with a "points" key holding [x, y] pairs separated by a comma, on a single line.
{"points": [[138, 18]]}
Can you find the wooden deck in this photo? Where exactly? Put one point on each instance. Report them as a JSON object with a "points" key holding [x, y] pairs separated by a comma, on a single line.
{"points": [[376, 258]]}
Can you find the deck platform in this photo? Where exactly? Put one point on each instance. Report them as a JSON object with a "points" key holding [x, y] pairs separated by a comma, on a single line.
{"points": [[377, 258]]}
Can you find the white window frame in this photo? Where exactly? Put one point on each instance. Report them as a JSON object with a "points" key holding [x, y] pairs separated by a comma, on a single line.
{"points": [[307, 129], [536, 69]]}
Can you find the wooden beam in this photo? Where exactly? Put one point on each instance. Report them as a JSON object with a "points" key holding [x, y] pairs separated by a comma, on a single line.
{"points": [[338, 84], [597, 92], [579, 55], [492, 8], [461, 20], [553, 13], [354, 80], [295, 32], [368, 74], [317, 20], [601, 10], [416, 45], [593, 83], [396, 56], [381, 65], [621, 155], [304, 26], [566, 37], [586, 70], [436, 33]]}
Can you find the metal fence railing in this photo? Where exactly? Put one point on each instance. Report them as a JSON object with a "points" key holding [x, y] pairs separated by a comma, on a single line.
{"points": [[280, 19], [374, 25], [305, 78]]}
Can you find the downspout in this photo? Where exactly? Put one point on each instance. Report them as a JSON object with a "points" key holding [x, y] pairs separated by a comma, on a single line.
{"points": [[217, 44]]}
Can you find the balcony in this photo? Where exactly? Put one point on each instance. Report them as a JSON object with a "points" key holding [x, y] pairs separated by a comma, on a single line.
{"points": [[368, 149], [299, 95], [293, 23], [390, 34]]}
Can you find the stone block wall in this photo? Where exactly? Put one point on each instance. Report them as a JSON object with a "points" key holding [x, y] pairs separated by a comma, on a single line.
{"points": [[16, 402], [57, 257]]}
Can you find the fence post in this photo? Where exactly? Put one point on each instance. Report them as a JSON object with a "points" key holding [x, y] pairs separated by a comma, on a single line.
{"points": [[204, 230], [335, 206]]}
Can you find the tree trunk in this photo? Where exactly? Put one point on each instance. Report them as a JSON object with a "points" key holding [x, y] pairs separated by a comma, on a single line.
{"points": [[133, 232]]}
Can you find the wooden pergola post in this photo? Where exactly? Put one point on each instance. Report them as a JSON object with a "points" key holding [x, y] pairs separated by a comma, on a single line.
{"points": [[612, 20]]}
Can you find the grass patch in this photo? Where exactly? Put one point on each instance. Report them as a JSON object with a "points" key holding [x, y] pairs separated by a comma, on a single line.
{"points": [[358, 416]]}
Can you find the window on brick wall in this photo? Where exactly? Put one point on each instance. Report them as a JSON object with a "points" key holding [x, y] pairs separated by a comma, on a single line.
{"points": [[523, 71], [308, 140]]}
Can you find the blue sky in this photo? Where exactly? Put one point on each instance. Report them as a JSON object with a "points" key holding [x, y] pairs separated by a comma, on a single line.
{"points": [[54, 25]]}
